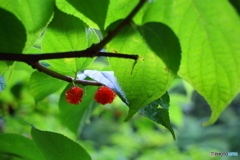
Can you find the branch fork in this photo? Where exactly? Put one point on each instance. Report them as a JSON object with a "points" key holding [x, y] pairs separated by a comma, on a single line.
{"points": [[93, 51]]}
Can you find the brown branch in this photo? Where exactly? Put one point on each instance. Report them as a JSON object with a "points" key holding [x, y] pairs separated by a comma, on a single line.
{"points": [[57, 75], [74, 54], [33, 59], [114, 32], [90, 52]]}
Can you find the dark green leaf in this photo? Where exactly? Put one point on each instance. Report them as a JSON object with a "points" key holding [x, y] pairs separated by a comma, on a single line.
{"points": [[66, 7], [75, 116], [236, 5], [158, 111], [159, 36], [95, 10], [54, 146], [34, 15], [16, 146], [10, 27]]}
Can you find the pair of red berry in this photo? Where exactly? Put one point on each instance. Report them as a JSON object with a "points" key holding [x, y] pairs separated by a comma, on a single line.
{"points": [[103, 95]]}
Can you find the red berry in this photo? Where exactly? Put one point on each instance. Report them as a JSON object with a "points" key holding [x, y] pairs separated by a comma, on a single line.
{"points": [[74, 95], [104, 95]]}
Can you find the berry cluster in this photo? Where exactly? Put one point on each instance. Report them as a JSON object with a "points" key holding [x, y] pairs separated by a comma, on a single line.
{"points": [[74, 95], [103, 95]]}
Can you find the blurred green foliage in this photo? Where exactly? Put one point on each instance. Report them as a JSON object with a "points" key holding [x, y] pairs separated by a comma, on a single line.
{"points": [[107, 137]]}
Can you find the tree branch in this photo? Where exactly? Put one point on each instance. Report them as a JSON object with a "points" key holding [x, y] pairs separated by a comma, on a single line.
{"points": [[74, 54], [57, 75], [113, 33], [33, 59]]}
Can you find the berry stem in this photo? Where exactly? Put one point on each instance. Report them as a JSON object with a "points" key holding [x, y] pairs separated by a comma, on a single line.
{"points": [[85, 91], [75, 78]]}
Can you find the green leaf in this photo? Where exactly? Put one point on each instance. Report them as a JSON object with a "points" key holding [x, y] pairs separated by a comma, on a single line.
{"points": [[16, 146], [95, 10], [66, 7], [75, 116], [119, 9], [56, 146], [33, 14], [4, 65], [35, 50], [42, 85], [10, 27], [68, 33], [150, 77], [159, 36], [108, 79], [236, 5], [210, 46], [158, 112]]}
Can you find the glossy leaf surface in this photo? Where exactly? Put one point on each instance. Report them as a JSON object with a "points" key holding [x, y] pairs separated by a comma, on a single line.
{"points": [[56, 146], [68, 33], [210, 46], [150, 77]]}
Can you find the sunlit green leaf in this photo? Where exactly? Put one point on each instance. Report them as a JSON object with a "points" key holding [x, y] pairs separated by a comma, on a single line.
{"points": [[42, 85], [158, 112], [16, 146], [33, 14], [150, 77], [4, 65], [68, 33], [119, 9], [75, 116], [210, 46], [56, 146]]}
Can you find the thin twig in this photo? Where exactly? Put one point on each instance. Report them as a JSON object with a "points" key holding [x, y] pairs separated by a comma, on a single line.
{"points": [[57, 75]]}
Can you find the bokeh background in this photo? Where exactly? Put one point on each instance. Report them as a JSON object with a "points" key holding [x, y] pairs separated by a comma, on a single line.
{"points": [[106, 136]]}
